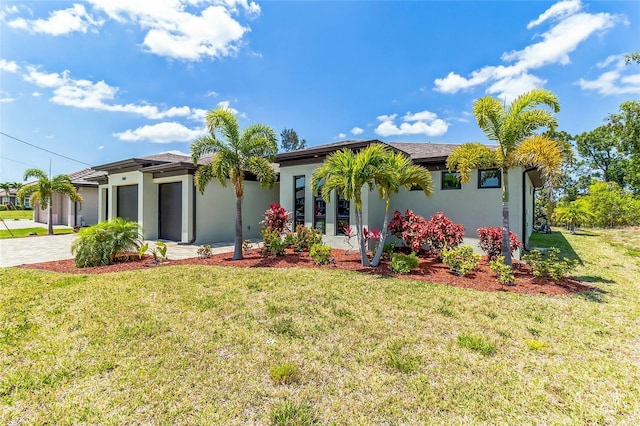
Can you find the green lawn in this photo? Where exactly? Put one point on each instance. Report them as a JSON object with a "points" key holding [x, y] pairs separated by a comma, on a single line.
{"points": [[208, 345], [16, 214], [24, 232]]}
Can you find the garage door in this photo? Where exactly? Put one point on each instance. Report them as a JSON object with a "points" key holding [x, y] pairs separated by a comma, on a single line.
{"points": [[128, 202], [170, 211]]}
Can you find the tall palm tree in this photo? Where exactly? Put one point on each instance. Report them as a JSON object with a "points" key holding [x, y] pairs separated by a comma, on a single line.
{"points": [[5, 186], [42, 191], [235, 153], [400, 171], [512, 127], [348, 172]]}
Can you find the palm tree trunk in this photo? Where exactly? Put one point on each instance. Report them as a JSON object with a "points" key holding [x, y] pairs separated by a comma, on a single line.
{"points": [[50, 217], [383, 235], [361, 240], [506, 246], [237, 251]]}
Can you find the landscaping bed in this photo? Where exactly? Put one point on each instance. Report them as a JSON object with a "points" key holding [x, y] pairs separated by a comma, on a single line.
{"points": [[429, 270]]}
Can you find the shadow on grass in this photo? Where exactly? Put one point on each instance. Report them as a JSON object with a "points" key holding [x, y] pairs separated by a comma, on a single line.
{"points": [[556, 239], [595, 295], [594, 279]]}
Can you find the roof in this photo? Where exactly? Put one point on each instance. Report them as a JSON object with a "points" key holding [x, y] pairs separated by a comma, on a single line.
{"points": [[86, 176], [424, 150]]}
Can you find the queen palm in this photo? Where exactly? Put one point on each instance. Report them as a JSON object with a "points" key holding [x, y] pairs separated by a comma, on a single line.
{"points": [[572, 214], [512, 127], [234, 154], [42, 191], [400, 172]]}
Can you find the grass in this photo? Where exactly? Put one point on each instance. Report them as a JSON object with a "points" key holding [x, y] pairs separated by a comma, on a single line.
{"points": [[16, 214], [25, 232], [208, 345]]}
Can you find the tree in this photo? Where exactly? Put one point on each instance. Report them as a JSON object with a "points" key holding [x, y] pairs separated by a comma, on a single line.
{"points": [[632, 57], [290, 141], [234, 154], [512, 127], [42, 191], [626, 125], [600, 147], [400, 172], [348, 172], [572, 213]]}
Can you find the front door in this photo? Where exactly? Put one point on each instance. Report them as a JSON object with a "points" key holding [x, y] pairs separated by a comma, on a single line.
{"points": [[170, 211]]}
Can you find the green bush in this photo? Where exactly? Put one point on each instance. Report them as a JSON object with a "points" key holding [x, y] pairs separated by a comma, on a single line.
{"points": [[461, 260], [403, 263], [504, 272], [305, 237], [320, 254], [103, 243], [549, 265], [272, 243]]}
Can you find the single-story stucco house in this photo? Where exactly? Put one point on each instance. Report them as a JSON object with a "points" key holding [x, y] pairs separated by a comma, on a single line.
{"points": [[74, 213], [158, 191]]}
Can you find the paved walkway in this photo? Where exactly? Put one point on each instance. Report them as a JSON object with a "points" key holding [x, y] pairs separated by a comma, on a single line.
{"points": [[44, 248]]}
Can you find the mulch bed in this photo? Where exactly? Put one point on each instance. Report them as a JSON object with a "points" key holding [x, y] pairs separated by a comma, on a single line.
{"points": [[429, 270]]}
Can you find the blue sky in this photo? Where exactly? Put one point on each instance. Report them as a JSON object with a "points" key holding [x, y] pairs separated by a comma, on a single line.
{"points": [[104, 80]]}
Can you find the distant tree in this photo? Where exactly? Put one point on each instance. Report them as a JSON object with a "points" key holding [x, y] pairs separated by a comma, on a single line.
{"points": [[5, 186], [290, 141], [626, 125], [611, 206], [235, 153], [601, 149], [42, 191], [573, 214], [632, 57], [512, 127]]}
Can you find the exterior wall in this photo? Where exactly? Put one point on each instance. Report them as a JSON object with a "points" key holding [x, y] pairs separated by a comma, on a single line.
{"points": [[529, 197], [216, 211], [41, 215], [87, 209]]}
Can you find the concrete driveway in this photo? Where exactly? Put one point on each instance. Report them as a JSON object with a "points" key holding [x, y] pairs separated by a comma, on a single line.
{"points": [[45, 248]]}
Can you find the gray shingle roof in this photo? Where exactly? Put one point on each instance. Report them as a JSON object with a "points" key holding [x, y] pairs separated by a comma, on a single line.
{"points": [[82, 176], [424, 150]]}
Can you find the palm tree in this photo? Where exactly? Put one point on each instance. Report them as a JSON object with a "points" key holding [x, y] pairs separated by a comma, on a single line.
{"points": [[512, 127], [235, 153], [572, 214], [347, 172], [42, 191], [5, 186], [400, 172]]}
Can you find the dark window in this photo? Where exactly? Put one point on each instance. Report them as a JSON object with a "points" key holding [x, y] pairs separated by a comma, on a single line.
{"points": [[343, 208], [489, 178], [451, 180], [127, 206], [320, 212], [299, 191]]}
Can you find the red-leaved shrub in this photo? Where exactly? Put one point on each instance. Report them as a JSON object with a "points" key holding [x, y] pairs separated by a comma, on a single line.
{"points": [[415, 231], [275, 218], [491, 241]]}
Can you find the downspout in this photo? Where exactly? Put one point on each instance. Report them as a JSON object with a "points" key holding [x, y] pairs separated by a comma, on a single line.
{"points": [[193, 210]]}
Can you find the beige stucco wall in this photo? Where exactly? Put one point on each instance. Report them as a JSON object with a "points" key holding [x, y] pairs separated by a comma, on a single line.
{"points": [[216, 211], [87, 209]]}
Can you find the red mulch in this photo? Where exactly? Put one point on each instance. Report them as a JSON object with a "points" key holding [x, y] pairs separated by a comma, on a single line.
{"points": [[429, 270]]}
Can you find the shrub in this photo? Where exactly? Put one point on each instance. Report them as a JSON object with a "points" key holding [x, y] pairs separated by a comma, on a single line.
{"points": [[272, 243], [103, 243], [284, 374], [246, 246], [305, 237], [461, 260], [491, 241], [442, 233], [204, 251], [320, 254], [549, 266], [403, 263], [276, 218], [504, 272]]}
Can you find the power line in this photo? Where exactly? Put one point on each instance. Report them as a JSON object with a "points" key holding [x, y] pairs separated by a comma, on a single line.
{"points": [[44, 149]]}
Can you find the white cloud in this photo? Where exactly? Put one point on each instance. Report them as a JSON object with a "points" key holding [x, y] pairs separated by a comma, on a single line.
{"points": [[172, 30], [99, 96], [342, 135], [357, 131], [225, 104], [36, 94], [573, 27], [619, 79], [60, 22], [101, 147], [8, 66], [4, 100], [212, 93], [421, 123], [166, 132]]}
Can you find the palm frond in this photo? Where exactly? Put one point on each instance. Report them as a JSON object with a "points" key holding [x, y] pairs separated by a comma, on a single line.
{"points": [[205, 145], [263, 170], [533, 99], [471, 156], [223, 120], [258, 140], [490, 115], [541, 152], [36, 173]]}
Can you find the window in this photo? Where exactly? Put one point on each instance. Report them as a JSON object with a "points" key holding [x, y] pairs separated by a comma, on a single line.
{"points": [[450, 180], [489, 178], [343, 208], [320, 212], [299, 190]]}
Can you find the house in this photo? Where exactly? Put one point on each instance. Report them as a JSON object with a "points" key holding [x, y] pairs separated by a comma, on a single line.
{"points": [[74, 213], [474, 205], [158, 191]]}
